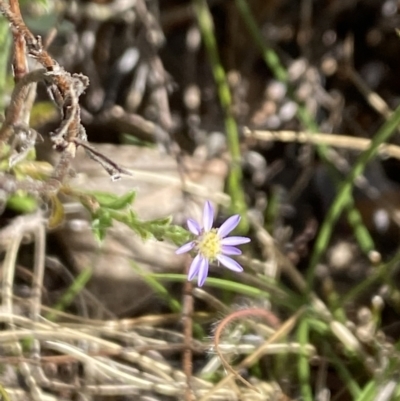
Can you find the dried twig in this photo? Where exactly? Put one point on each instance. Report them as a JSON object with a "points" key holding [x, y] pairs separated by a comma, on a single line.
{"points": [[20, 65], [7, 298], [187, 330], [338, 141], [63, 87]]}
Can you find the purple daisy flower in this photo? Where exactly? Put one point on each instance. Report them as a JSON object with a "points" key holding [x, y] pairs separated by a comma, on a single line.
{"points": [[212, 244]]}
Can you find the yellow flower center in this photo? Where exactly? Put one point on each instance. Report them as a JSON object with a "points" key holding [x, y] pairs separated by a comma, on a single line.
{"points": [[209, 244]]}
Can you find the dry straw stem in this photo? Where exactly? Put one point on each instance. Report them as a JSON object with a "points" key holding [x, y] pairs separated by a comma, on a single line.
{"points": [[337, 141], [374, 100], [7, 285], [273, 349], [158, 376], [154, 375]]}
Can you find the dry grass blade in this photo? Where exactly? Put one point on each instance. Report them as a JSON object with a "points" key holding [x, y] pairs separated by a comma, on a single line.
{"points": [[338, 141], [7, 295]]}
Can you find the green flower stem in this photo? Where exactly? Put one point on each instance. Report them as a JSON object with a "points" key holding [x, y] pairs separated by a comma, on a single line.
{"points": [[222, 284], [235, 189], [270, 57], [360, 230], [164, 293], [303, 363], [345, 190]]}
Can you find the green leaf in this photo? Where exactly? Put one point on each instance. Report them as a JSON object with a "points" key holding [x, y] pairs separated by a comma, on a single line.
{"points": [[142, 232], [22, 203], [112, 201], [165, 221], [178, 235], [101, 224], [133, 140]]}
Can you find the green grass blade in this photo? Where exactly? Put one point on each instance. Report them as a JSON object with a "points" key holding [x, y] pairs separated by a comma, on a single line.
{"points": [[222, 284], [76, 287], [303, 362], [351, 385], [154, 283], [361, 232], [235, 189], [270, 57], [368, 393]]}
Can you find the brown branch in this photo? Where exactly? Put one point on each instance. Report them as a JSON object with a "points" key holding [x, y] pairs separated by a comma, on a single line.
{"points": [[64, 89], [20, 64], [17, 23], [18, 98], [187, 357], [113, 169]]}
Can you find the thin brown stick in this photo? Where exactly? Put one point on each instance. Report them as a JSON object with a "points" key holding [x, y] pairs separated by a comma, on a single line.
{"points": [[16, 106], [63, 87], [373, 98], [20, 65], [187, 357]]}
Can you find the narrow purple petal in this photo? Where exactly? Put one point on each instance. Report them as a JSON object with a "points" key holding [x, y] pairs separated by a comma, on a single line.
{"points": [[230, 250], [208, 216], [230, 263], [228, 226], [235, 241], [185, 248], [203, 272], [194, 226], [194, 267]]}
